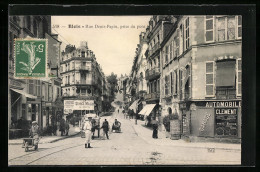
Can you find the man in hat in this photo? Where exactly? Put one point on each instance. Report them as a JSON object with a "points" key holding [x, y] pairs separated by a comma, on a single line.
{"points": [[34, 133], [87, 129]]}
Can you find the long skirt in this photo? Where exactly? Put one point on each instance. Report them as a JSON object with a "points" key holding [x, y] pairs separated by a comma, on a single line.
{"points": [[87, 136]]}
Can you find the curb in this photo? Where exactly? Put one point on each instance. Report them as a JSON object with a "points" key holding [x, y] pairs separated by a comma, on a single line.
{"points": [[190, 146], [52, 141]]}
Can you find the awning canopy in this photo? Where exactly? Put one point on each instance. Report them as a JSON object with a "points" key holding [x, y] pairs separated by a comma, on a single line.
{"points": [[149, 109], [24, 93], [142, 112], [134, 105]]}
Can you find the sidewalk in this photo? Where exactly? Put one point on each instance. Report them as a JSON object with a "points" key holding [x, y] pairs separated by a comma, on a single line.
{"points": [[146, 134], [49, 139]]}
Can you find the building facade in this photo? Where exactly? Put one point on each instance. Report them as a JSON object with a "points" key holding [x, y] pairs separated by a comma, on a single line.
{"points": [[25, 95], [82, 76], [201, 74], [158, 29]]}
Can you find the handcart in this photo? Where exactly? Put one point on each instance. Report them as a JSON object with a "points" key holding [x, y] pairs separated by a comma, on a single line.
{"points": [[29, 143]]}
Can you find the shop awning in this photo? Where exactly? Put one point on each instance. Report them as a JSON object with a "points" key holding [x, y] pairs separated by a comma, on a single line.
{"points": [[134, 105], [142, 112], [149, 109], [24, 93]]}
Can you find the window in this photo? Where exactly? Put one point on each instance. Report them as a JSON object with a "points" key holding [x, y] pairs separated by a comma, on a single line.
{"points": [[181, 38], [31, 87], [24, 111], [231, 27], [166, 54], [209, 28], [50, 93], [225, 73], [158, 37], [58, 91], [35, 28], [181, 83], [210, 79], [28, 22], [175, 87], [83, 54], [221, 28], [38, 87], [171, 55], [239, 77], [167, 85], [158, 86], [176, 46], [172, 82], [239, 26], [187, 33]]}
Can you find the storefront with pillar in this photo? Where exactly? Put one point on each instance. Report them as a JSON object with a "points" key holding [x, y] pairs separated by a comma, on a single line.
{"points": [[218, 119]]}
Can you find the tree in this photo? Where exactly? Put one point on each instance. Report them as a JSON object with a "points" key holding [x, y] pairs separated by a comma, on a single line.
{"points": [[112, 80], [69, 48]]}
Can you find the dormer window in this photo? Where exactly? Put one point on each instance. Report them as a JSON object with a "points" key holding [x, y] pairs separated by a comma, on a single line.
{"points": [[83, 54]]}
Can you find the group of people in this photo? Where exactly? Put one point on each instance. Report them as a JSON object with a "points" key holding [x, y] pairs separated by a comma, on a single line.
{"points": [[88, 126]]}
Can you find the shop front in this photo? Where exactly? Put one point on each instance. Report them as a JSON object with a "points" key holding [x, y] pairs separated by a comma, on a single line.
{"points": [[220, 120]]}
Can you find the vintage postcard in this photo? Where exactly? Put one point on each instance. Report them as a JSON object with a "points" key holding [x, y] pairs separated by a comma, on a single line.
{"points": [[125, 90]]}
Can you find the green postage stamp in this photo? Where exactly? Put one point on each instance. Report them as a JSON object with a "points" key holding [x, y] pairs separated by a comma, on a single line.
{"points": [[30, 58]]}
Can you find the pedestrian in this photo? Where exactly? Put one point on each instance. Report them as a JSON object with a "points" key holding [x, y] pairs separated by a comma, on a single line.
{"points": [[67, 128], [155, 131], [93, 122], [34, 133], [62, 127], [87, 129], [118, 110], [105, 127]]}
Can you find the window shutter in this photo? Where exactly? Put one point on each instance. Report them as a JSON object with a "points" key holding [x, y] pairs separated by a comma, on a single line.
{"points": [[209, 28], [239, 26], [239, 77], [210, 84], [172, 83]]}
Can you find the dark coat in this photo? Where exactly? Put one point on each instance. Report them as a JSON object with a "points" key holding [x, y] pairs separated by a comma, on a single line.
{"points": [[105, 126]]}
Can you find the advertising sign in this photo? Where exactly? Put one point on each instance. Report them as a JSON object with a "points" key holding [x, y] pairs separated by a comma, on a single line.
{"points": [[70, 105], [83, 105]]}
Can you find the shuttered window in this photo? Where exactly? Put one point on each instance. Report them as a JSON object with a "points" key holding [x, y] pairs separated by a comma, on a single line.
{"points": [[166, 85], [209, 28], [187, 33], [210, 79], [239, 26], [31, 86], [172, 82], [181, 84], [239, 77], [38, 87]]}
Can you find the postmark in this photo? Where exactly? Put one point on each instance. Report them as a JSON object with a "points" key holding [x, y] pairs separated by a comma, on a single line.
{"points": [[30, 57]]}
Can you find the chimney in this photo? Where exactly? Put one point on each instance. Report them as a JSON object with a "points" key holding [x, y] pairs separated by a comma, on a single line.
{"points": [[83, 43]]}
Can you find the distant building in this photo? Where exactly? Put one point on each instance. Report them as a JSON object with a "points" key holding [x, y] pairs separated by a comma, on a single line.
{"points": [[82, 76]]}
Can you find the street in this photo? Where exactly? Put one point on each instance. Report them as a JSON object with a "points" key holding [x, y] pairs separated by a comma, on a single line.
{"points": [[125, 148]]}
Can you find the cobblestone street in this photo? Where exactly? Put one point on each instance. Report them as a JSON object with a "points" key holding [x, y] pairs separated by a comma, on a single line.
{"points": [[126, 148]]}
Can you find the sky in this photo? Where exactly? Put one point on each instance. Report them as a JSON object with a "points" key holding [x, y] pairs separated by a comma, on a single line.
{"points": [[114, 48]]}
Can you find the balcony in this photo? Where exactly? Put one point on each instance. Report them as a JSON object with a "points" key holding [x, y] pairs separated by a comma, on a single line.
{"points": [[84, 82], [152, 96], [154, 49], [84, 68], [151, 74]]}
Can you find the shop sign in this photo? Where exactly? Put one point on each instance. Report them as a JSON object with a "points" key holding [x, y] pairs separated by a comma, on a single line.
{"points": [[226, 111], [78, 104], [223, 104]]}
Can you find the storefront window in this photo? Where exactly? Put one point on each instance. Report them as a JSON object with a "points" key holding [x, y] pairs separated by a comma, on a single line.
{"points": [[226, 122]]}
